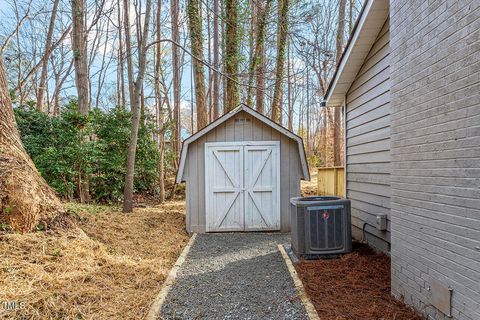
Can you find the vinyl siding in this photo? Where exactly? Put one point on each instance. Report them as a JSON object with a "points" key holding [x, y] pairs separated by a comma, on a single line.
{"points": [[435, 176], [253, 130], [368, 142]]}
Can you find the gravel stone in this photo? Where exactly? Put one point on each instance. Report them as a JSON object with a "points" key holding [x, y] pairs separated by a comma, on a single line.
{"points": [[234, 276]]}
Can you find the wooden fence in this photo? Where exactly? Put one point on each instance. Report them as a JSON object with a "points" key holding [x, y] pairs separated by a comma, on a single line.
{"points": [[331, 181]]}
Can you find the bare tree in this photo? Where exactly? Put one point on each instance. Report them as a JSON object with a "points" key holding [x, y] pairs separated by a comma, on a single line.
{"points": [[177, 142], [231, 53], [159, 105], [351, 7], [289, 90], [281, 51], [339, 48], [216, 63], [47, 51], [128, 48], [196, 37], [60, 75], [132, 149], [121, 61], [257, 61], [79, 48]]}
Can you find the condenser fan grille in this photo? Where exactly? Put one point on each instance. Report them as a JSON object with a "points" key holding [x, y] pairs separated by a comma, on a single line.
{"points": [[326, 226]]}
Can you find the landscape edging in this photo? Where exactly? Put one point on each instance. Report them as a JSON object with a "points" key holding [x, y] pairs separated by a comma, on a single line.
{"points": [[309, 308], [167, 285]]}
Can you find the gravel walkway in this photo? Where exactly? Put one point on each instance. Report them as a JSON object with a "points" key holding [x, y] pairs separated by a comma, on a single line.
{"points": [[234, 276]]}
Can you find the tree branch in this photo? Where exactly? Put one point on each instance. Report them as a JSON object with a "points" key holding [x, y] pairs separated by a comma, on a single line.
{"points": [[201, 61]]}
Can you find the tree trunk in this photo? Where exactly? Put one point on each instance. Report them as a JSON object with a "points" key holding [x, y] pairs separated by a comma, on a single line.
{"points": [[281, 48], [289, 92], [337, 161], [82, 81], [128, 49], [325, 135], [58, 87], [132, 149], [210, 62], [351, 7], [196, 37], [308, 144], [121, 72], [56, 96], [231, 53], [340, 30], [177, 141], [216, 47], [159, 103], [224, 68], [260, 79], [25, 198], [48, 50], [253, 25], [80, 57], [102, 72], [257, 61]]}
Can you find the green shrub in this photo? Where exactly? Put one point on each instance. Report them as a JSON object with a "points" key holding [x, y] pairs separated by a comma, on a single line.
{"points": [[72, 146]]}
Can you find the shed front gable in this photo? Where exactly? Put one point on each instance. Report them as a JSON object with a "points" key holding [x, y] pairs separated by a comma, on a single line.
{"points": [[241, 124]]}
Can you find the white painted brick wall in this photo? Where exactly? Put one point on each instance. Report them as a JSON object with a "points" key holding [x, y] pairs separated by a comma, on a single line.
{"points": [[435, 230]]}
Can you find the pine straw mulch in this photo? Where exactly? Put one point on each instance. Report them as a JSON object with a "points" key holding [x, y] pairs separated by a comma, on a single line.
{"points": [[353, 287], [110, 265]]}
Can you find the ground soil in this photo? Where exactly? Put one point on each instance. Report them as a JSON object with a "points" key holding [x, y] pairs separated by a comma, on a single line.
{"points": [[108, 264], [309, 188], [354, 287]]}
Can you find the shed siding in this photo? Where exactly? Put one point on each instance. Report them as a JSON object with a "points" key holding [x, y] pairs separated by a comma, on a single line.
{"points": [[368, 142], [253, 130], [435, 153]]}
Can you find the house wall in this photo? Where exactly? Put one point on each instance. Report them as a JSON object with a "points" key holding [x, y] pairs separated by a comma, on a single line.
{"points": [[435, 148], [231, 130], [368, 143]]}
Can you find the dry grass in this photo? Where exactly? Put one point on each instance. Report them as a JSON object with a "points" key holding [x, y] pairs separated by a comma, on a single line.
{"points": [[111, 266]]}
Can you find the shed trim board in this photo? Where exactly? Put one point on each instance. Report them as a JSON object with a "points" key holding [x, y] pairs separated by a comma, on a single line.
{"points": [[258, 116], [238, 205]]}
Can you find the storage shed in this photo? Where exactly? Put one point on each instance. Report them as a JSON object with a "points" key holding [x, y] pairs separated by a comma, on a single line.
{"points": [[240, 172]]}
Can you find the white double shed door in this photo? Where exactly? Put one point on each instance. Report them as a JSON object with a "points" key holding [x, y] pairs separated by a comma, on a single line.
{"points": [[242, 186]]}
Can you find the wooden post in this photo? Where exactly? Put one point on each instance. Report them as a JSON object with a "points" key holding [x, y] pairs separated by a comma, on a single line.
{"points": [[335, 181]]}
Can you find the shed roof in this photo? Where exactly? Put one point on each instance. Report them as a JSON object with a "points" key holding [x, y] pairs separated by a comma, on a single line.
{"points": [[258, 116], [368, 25]]}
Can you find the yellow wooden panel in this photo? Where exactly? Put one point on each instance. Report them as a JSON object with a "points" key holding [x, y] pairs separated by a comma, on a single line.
{"points": [[340, 182], [331, 181]]}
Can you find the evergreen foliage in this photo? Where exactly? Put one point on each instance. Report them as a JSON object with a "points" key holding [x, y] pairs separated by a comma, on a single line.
{"points": [[94, 146]]}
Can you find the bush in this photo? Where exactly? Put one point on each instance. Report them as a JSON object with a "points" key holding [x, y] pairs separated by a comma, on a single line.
{"points": [[72, 147]]}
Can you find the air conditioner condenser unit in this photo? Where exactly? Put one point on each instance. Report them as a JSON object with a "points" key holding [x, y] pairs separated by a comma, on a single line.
{"points": [[321, 226]]}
